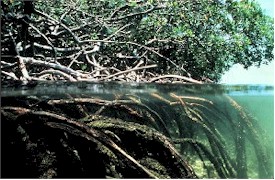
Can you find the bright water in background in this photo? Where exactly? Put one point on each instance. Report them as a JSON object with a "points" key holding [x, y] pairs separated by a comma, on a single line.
{"points": [[256, 100], [259, 102]]}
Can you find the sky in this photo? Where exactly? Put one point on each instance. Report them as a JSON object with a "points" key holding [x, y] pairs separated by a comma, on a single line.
{"points": [[263, 75]]}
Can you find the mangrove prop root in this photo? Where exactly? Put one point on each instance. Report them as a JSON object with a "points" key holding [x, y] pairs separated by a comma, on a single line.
{"points": [[131, 137], [45, 144], [264, 166], [153, 142]]}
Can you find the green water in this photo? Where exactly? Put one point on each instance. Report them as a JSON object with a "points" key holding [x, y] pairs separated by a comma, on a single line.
{"points": [[198, 114], [260, 107]]}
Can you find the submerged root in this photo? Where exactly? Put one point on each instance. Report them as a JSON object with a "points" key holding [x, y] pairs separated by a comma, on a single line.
{"points": [[130, 137], [48, 145]]}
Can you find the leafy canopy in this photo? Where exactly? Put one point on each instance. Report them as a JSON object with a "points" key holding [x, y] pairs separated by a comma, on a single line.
{"points": [[196, 38]]}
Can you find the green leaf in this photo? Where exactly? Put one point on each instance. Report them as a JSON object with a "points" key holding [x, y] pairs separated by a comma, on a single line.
{"points": [[83, 67]]}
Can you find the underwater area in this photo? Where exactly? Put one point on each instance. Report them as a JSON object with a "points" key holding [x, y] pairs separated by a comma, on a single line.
{"points": [[137, 130]]}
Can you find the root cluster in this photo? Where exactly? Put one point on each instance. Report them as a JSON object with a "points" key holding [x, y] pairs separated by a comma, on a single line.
{"points": [[131, 136]]}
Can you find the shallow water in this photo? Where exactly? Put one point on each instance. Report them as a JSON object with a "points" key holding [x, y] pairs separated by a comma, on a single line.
{"points": [[260, 105], [221, 120]]}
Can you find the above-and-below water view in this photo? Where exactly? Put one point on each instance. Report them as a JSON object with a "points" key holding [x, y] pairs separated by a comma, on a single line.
{"points": [[119, 130], [137, 89]]}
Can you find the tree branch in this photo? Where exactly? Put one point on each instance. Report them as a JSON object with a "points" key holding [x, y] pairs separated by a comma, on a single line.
{"points": [[62, 68], [178, 77], [127, 71], [153, 8]]}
